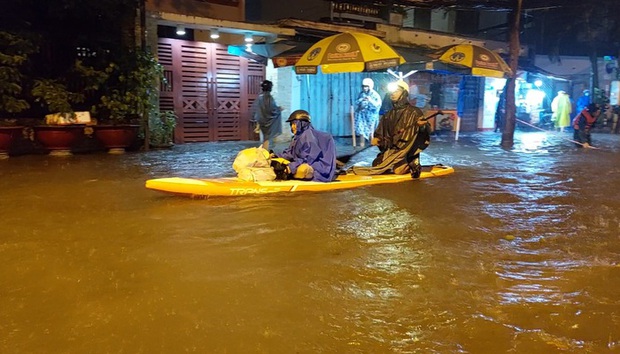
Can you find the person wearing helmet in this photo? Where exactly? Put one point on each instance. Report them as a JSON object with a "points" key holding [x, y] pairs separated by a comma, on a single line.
{"points": [[367, 108], [312, 153], [401, 136], [268, 115], [583, 101], [583, 123]]}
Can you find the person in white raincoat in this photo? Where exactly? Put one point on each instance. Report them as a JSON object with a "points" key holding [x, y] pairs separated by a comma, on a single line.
{"points": [[367, 108]]}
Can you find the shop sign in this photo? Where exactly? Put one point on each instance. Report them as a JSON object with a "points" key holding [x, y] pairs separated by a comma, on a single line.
{"points": [[357, 9]]}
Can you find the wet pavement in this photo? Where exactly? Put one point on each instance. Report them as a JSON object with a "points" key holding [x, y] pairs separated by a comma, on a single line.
{"points": [[516, 252]]}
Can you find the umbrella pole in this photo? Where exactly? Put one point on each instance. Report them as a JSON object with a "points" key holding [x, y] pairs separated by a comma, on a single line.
{"points": [[352, 112], [458, 127]]}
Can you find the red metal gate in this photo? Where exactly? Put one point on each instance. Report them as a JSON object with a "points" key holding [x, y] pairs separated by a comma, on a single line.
{"points": [[210, 90]]}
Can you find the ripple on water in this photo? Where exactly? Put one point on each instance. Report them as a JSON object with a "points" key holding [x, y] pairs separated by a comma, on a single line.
{"points": [[516, 252]]}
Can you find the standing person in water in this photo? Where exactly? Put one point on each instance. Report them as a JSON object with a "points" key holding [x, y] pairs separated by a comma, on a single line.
{"points": [[583, 101], [367, 108], [268, 115], [562, 108]]}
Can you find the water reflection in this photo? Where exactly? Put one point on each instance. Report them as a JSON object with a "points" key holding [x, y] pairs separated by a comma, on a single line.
{"points": [[517, 252]]}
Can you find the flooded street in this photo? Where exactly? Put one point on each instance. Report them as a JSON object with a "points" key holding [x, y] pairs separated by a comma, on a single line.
{"points": [[516, 252]]}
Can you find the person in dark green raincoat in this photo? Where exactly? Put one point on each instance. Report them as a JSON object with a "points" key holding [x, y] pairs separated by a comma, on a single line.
{"points": [[401, 136], [268, 115]]}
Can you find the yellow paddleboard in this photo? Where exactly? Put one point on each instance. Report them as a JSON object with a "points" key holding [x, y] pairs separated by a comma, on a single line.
{"points": [[233, 187]]}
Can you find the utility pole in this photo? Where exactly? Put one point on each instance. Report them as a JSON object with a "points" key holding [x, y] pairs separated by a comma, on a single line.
{"points": [[515, 46]]}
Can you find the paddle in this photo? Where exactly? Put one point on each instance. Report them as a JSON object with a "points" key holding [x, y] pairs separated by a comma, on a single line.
{"points": [[342, 160], [432, 115]]}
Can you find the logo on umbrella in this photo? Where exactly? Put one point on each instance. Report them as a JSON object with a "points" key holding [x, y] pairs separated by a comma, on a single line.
{"points": [[375, 47], [343, 47], [484, 57], [457, 57], [313, 54]]}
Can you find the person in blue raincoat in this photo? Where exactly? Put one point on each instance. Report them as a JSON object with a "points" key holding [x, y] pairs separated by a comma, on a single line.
{"points": [[583, 101], [367, 108], [312, 153]]}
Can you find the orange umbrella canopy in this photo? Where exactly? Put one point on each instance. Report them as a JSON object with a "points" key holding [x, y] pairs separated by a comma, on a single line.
{"points": [[348, 52], [479, 60]]}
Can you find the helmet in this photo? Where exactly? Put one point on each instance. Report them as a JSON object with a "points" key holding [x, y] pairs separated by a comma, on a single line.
{"points": [[299, 114], [400, 83], [266, 85], [368, 82]]}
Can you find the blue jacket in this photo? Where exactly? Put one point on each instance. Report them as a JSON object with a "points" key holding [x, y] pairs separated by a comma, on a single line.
{"points": [[316, 148]]}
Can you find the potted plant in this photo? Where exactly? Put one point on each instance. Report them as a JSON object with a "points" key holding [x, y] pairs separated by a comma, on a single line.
{"points": [[60, 130], [161, 128], [9, 132], [14, 52], [130, 94], [63, 126]]}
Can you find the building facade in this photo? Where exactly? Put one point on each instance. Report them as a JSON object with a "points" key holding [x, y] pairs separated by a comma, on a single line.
{"points": [[216, 80]]}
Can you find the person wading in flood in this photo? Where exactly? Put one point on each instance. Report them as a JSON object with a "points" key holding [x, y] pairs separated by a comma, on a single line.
{"points": [[562, 108], [268, 115], [583, 123], [367, 111]]}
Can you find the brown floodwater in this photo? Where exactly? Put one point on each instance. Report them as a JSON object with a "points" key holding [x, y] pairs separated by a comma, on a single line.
{"points": [[517, 252]]}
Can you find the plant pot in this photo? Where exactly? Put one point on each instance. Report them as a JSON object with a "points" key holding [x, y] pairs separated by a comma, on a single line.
{"points": [[116, 138], [58, 139], [7, 136]]}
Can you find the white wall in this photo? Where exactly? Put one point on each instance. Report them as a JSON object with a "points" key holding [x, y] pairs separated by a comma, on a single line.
{"points": [[285, 92], [492, 87]]}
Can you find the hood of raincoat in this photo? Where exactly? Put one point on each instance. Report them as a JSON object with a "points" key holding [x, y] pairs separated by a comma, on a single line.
{"points": [[302, 126], [403, 101]]}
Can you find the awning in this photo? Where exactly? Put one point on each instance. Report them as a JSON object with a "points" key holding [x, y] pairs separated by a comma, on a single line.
{"points": [[241, 52], [286, 60], [435, 66], [290, 56], [266, 50], [562, 67], [417, 59], [282, 53], [414, 54]]}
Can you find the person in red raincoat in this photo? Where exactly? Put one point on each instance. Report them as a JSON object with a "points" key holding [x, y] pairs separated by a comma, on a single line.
{"points": [[583, 123]]}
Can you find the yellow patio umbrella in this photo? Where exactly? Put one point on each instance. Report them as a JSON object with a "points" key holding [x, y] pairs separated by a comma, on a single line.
{"points": [[478, 61], [346, 53]]}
